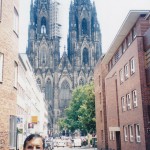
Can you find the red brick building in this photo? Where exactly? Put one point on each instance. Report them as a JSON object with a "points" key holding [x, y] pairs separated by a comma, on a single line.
{"points": [[9, 33], [122, 87]]}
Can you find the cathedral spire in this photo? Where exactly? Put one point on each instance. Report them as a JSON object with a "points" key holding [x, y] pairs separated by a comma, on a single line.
{"points": [[31, 13], [79, 2]]}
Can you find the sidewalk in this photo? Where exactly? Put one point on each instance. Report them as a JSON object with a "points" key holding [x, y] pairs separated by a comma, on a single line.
{"points": [[87, 147]]}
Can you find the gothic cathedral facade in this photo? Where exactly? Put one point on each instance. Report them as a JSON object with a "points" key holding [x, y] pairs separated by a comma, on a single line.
{"points": [[58, 76]]}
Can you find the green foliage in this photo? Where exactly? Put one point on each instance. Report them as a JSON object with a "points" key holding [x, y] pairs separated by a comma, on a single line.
{"points": [[81, 112]]}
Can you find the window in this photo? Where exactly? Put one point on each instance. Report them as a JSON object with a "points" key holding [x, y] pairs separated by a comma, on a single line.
{"points": [[101, 117], [125, 133], [12, 131], [148, 113], [134, 34], [1, 66], [132, 66], [85, 56], [124, 46], [131, 133], [134, 97], [102, 135], [117, 56], [16, 21], [49, 90], [109, 66], [128, 101], [81, 82], [0, 10], [129, 39], [100, 98], [84, 26], [43, 25], [126, 71], [137, 132], [121, 76], [123, 103], [15, 74], [99, 80], [112, 135], [65, 95]]}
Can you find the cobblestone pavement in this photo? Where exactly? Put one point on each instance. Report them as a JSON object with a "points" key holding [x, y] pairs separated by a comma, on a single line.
{"points": [[74, 148]]}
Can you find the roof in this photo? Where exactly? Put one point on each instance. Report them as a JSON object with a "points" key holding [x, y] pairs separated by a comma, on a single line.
{"points": [[128, 23]]}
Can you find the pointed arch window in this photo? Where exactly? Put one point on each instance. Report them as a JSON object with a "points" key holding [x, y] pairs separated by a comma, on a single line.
{"points": [[43, 56], [48, 90], [65, 94], [81, 82], [84, 26], [43, 25], [38, 82], [85, 56]]}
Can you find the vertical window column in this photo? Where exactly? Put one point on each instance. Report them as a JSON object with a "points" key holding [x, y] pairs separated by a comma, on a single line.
{"points": [[137, 131], [125, 133], [128, 101], [134, 96], [131, 133]]}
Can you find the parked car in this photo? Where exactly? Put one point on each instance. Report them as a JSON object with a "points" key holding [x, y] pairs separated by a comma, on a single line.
{"points": [[49, 144], [76, 142], [61, 143]]}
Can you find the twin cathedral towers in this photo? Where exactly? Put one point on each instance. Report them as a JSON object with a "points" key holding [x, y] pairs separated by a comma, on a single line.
{"points": [[58, 76]]}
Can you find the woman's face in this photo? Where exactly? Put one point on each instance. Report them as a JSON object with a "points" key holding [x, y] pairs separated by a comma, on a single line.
{"points": [[34, 144]]}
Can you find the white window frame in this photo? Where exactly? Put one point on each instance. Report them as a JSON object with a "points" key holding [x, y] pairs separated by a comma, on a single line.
{"points": [[124, 46], [131, 133], [1, 66], [132, 66], [137, 133], [121, 76], [126, 71], [129, 39], [125, 133], [15, 74], [128, 99], [12, 131], [134, 33], [16, 21], [123, 102], [112, 135], [134, 98]]}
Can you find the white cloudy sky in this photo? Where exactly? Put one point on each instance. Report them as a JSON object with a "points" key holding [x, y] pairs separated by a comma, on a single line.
{"points": [[111, 14]]}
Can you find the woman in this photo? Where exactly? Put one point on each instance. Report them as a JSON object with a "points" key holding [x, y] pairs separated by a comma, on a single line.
{"points": [[34, 142]]}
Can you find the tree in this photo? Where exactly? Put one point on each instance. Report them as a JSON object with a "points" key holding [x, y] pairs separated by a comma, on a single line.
{"points": [[81, 112]]}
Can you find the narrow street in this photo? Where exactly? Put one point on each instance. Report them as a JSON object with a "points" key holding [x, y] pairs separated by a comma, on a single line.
{"points": [[76, 148]]}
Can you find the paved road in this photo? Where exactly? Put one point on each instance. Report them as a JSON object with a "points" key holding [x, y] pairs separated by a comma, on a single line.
{"points": [[76, 148]]}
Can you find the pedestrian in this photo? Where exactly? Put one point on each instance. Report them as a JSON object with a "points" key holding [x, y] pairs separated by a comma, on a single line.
{"points": [[34, 142]]}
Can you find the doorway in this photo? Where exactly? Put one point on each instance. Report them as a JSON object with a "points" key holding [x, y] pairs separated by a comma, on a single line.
{"points": [[118, 140]]}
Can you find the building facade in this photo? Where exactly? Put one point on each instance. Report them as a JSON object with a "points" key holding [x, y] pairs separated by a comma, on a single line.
{"points": [[58, 76], [122, 87], [9, 47], [32, 109]]}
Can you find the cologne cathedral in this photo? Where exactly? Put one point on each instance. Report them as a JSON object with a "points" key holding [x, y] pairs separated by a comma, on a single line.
{"points": [[58, 75]]}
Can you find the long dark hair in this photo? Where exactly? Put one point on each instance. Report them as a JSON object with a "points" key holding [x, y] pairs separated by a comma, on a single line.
{"points": [[32, 136]]}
